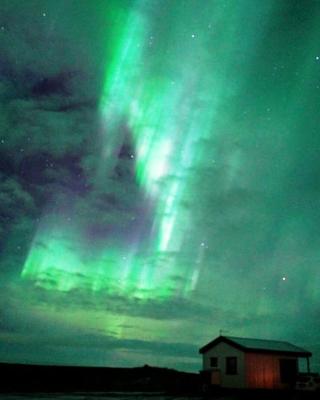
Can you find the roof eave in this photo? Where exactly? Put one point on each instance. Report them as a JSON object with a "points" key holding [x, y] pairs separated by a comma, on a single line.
{"points": [[280, 352]]}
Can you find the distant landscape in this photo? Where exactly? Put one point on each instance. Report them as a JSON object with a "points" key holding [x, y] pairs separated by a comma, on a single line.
{"points": [[38, 378]]}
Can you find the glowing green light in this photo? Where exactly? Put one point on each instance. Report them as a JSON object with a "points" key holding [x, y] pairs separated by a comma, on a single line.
{"points": [[166, 126]]}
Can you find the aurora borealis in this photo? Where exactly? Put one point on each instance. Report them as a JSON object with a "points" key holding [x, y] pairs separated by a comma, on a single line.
{"points": [[159, 172]]}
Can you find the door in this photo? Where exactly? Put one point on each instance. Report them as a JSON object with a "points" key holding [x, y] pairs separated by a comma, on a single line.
{"points": [[288, 370], [216, 377]]}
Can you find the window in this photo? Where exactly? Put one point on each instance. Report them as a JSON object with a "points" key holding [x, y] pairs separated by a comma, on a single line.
{"points": [[231, 365], [214, 362]]}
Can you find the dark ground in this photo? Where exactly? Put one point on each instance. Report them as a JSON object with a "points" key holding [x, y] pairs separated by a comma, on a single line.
{"points": [[18, 381], [39, 378]]}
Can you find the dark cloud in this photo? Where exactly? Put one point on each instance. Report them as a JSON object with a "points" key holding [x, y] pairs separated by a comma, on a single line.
{"points": [[53, 85]]}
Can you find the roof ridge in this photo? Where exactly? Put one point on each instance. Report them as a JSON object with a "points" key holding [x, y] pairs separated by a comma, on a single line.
{"points": [[260, 340]]}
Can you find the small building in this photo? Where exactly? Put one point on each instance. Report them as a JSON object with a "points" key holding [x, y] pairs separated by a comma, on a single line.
{"points": [[233, 362]]}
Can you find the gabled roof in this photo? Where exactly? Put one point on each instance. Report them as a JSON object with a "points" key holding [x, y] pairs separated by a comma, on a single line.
{"points": [[258, 345]]}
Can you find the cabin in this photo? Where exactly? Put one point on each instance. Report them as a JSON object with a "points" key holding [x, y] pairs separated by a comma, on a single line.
{"points": [[243, 363]]}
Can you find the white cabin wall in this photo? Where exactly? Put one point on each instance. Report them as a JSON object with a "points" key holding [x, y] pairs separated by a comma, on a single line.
{"points": [[223, 350]]}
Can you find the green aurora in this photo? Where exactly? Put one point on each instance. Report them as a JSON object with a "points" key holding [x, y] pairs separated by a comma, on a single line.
{"points": [[148, 103]]}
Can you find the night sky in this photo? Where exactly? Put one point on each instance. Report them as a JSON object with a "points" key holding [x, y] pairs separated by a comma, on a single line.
{"points": [[159, 178]]}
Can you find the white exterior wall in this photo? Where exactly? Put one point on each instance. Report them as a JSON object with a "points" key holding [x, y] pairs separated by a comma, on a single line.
{"points": [[221, 351]]}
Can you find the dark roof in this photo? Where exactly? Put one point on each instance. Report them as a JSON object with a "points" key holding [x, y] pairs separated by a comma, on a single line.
{"points": [[258, 345]]}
